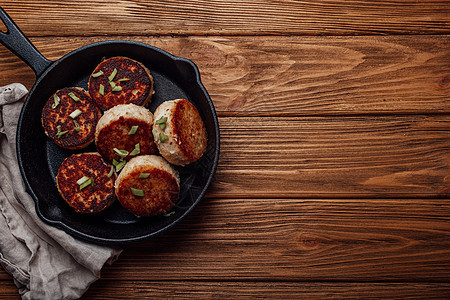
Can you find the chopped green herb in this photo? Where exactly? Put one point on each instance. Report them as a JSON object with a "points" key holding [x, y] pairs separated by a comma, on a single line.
{"points": [[136, 150], [137, 192], [92, 181], [111, 172], [57, 100], [75, 113], [121, 153], [113, 74], [161, 120], [77, 127], [115, 162], [87, 183], [169, 213], [82, 180], [124, 79], [163, 137], [99, 73], [101, 89], [120, 165], [155, 133], [60, 133], [144, 175], [117, 88], [112, 84], [75, 98], [133, 130]]}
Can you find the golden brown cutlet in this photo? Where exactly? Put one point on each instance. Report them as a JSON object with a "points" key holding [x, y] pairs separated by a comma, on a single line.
{"points": [[69, 118], [179, 132], [147, 186], [120, 80], [125, 127], [84, 184]]}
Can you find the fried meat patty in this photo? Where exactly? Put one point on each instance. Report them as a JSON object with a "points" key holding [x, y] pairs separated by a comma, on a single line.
{"points": [[127, 128], [120, 80], [147, 186], [84, 184], [179, 132], [69, 118]]}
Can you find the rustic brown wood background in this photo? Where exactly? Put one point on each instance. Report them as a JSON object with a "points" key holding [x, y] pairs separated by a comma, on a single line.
{"points": [[334, 175]]}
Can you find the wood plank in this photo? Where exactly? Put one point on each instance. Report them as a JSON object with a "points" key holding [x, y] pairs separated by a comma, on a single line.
{"points": [[320, 157], [8, 290], [356, 240], [268, 290], [122, 289], [297, 76], [205, 17]]}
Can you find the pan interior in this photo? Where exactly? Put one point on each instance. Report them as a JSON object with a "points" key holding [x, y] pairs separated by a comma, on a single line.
{"points": [[40, 158]]}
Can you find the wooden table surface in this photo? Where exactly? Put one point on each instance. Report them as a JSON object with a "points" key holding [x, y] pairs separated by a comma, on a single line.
{"points": [[334, 173]]}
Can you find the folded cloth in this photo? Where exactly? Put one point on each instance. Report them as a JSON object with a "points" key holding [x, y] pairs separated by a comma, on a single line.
{"points": [[45, 262]]}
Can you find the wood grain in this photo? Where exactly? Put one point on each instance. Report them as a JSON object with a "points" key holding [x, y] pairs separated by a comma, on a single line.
{"points": [[8, 291], [368, 156], [334, 174], [294, 76], [253, 240], [122, 289], [267, 290], [205, 17]]}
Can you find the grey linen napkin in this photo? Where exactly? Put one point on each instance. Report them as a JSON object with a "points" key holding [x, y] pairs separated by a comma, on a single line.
{"points": [[45, 262]]}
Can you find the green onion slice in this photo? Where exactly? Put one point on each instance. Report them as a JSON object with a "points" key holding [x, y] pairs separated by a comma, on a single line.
{"points": [[88, 182], [124, 79], [120, 165], [75, 98], [161, 120], [144, 175], [137, 192], [82, 180], [99, 73], [112, 84], [101, 89], [77, 127], [163, 137], [169, 213], [117, 88], [60, 133], [113, 74], [133, 129], [115, 162], [121, 153], [75, 113], [111, 172], [136, 150], [155, 133], [57, 100]]}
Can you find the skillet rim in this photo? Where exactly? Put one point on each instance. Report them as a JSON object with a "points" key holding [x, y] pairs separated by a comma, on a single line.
{"points": [[103, 240]]}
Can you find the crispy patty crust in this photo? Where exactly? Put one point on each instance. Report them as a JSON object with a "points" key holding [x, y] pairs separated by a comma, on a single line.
{"points": [[69, 118], [147, 186], [96, 193], [122, 128], [181, 139], [120, 80]]}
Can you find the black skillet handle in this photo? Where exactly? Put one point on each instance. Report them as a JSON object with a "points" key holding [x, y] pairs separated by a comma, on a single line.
{"points": [[21, 46]]}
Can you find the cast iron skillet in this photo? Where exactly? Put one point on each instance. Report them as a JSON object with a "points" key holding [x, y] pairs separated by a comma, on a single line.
{"points": [[39, 158]]}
